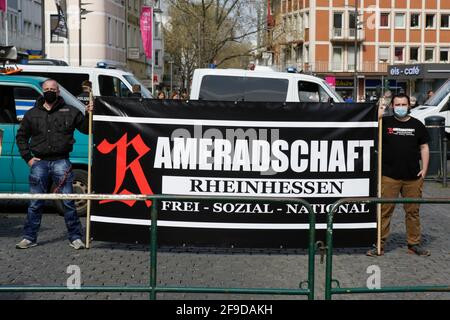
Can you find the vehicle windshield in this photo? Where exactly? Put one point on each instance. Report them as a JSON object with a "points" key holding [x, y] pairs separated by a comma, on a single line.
{"points": [[439, 95], [145, 92], [70, 99], [333, 91]]}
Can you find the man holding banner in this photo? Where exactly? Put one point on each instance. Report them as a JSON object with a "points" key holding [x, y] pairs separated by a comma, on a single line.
{"points": [[403, 137], [45, 140]]}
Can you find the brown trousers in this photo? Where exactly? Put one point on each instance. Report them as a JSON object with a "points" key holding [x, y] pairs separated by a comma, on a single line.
{"points": [[391, 188]]}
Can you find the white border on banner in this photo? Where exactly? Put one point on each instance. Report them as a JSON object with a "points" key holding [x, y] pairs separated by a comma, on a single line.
{"points": [[239, 123], [226, 225]]}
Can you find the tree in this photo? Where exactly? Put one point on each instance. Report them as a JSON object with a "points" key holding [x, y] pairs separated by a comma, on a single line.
{"points": [[202, 32]]}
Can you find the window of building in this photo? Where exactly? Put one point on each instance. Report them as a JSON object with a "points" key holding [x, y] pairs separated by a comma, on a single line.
{"points": [[384, 19], [443, 55], [429, 54], [445, 21], [351, 20], [351, 58], [306, 59], [109, 30], [383, 54], [430, 21], [337, 24], [414, 54], [54, 37], [400, 20], [337, 58], [399, 54], [306, 20], [157, 29], [157, 57], [415, 20]]}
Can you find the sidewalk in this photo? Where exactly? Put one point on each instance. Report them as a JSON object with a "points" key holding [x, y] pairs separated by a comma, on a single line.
{"points": [[121, 264]]}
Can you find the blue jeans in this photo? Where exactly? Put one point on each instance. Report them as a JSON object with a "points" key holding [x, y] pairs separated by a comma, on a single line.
{"points": [[60, 172]]}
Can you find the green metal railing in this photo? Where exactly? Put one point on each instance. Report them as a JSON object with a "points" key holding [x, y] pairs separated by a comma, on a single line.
{"points": [[329, 290], [153, 288]]}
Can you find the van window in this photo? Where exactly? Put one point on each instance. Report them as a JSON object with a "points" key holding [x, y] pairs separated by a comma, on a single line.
{"points": [[144, 91], [70, 81], [311, 92], [266, 89], [112, 87], [222, 88], [7, 105], [228, 88]]}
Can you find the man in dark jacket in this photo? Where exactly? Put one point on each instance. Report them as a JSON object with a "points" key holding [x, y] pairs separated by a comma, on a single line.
{"points": [[45, 140]]}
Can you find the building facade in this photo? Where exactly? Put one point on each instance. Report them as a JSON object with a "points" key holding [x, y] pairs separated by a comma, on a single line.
{"points": [[324, 37], [110, 34], [24, 25]]}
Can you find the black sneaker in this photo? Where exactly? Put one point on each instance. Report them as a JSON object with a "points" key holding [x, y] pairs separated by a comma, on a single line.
{"points": [[417, 249], [374, 252]]}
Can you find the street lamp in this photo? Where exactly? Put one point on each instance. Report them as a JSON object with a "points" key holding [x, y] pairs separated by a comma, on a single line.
{"points": [[83, 12]]}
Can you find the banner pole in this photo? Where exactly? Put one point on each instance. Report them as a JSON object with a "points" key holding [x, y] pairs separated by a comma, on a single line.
{"points": [[380, 152], [88, 208]]}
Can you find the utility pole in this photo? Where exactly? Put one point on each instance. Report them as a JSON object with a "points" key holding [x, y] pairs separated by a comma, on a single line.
{"points": [[83, 12], [79, 36], [355, 81], [6, 23], [43, 27]]}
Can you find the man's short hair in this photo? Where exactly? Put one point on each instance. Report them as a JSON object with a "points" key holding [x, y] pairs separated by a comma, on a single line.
{"points": [[136, 88], [86, 83], [50, 80], [400, 96]]}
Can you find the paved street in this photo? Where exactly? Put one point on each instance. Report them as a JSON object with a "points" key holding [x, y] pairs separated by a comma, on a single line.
{"points": [[119, 264]]}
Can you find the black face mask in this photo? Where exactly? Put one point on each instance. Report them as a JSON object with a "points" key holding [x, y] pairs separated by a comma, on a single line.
{"points": [[50, 96]]}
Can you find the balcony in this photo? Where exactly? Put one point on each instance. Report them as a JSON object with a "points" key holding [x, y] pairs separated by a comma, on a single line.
{"points": [[346, 35], [341, 67]]}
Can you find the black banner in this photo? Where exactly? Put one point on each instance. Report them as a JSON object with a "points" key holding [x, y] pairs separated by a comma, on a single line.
{"points": [[314, 151]]}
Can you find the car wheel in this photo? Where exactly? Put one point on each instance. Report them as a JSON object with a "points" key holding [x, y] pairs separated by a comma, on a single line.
{"points": [[80, 186]]}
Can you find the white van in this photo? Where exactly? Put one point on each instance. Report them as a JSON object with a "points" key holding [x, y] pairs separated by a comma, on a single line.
{"points": [[437, 105], [105, 82], [254, 85]]}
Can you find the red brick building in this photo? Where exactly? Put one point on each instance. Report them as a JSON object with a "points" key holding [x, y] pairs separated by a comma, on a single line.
{"points": [[322, 37]]}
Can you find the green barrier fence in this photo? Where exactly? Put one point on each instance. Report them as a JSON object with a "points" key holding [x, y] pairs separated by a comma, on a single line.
{"points": [[153, 288], [330, 290]]}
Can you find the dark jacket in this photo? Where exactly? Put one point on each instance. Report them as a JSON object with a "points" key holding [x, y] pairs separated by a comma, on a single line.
{"points": [[51, 132]]}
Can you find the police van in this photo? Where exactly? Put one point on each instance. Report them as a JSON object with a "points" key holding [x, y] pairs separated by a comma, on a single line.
{"points": [[437, 105], [105, 81], [260, 85]]}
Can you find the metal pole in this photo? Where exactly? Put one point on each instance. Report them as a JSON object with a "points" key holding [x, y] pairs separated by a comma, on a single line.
{"points": [[380, 177], [171, 76], [79, 35], [6, 24], [153, 248], [88, 214], [444, 151], [43, 27], [355, 84], [153, 52]]}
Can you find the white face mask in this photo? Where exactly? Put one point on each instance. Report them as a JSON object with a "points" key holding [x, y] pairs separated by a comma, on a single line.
{"points": [[401, 112]]}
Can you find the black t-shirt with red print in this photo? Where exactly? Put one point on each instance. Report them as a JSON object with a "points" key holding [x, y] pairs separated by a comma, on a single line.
{"points": [[401, 147]]}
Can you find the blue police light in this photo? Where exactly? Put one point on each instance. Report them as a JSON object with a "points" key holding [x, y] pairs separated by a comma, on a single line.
{"points": [[291, 69], [103, 65]]}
